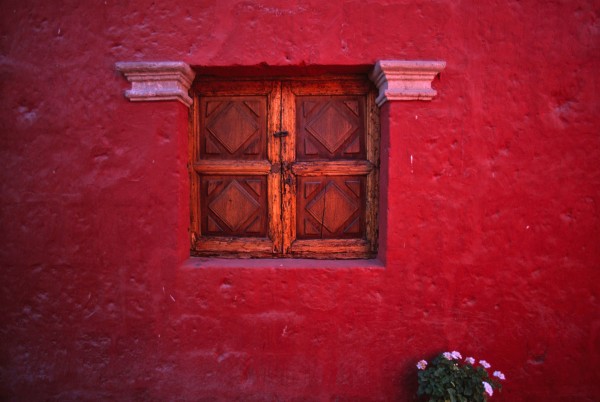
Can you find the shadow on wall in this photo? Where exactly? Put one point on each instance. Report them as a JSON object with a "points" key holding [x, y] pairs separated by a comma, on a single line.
{"points": [[405, 382]]}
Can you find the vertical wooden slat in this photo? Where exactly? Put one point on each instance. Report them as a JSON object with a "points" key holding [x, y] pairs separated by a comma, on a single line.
{"points": [[193, 176], [274, 177], [372, 214], [288, 155]]}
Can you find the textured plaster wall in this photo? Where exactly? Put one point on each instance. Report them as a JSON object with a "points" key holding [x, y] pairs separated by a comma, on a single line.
{"points": [[492, 233]]}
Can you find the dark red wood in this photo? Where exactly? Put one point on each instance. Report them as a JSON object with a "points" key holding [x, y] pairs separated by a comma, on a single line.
{"points": [[233, 205], [330, 207], [233, 128], [330, 127]]}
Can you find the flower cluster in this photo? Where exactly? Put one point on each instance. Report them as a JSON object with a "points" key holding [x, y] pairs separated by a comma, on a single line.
{"points": [[448, 377]]}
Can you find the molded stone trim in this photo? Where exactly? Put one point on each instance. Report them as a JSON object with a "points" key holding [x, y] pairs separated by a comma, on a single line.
{"points": [[405, 79], [158, 80]]}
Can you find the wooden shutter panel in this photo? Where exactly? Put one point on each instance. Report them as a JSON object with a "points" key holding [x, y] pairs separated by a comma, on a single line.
{"points": [[330, 207], [330, 127], [233, 129], [236, 193], [333, 169]]}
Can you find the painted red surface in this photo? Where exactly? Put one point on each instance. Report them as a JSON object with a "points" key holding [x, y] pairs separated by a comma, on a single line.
{"points": [[490, 239]]}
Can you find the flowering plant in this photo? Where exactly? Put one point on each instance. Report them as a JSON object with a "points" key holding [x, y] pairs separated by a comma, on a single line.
{"points": [[450, 378]]}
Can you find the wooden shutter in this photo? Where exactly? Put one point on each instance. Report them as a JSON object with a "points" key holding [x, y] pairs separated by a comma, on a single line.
{"points": [[329, 198], [235, 195], [285, 168]]}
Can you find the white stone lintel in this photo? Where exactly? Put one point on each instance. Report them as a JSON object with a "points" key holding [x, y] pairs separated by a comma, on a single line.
{"points": [[158, 80], [405, 79]]}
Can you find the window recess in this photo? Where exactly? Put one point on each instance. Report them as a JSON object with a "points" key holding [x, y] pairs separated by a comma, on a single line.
{"points": [[284, 168]]}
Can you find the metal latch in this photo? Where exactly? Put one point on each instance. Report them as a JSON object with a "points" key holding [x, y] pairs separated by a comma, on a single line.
{"points": [[280, 134]]}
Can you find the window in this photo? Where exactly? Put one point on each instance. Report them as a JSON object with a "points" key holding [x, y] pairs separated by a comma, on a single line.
{"points": [[284, 168]]}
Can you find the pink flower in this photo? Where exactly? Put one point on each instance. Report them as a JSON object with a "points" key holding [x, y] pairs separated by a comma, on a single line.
{"points": [[484, 364], [456, 355], [488, 388], [470, 360], [447, 355], [499, 375], [422, 365]]}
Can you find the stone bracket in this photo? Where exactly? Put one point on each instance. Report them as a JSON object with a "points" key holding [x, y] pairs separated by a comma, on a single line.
{"points": [[405, 79], [158, 81]]}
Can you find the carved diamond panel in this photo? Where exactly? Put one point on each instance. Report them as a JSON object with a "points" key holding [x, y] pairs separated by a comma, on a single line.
{"points": [[330, 207], [330, 127], [233, 205], [233, 128]]}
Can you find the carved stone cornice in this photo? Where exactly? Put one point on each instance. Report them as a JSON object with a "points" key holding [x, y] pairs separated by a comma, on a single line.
{"points": [[158, 80], [405, 79]]}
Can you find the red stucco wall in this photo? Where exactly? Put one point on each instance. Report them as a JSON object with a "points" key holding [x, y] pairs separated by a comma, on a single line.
{"points": [[492, 232]]}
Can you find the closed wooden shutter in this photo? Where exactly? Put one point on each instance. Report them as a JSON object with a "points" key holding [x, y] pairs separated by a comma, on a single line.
{"points": [[284, 168]]}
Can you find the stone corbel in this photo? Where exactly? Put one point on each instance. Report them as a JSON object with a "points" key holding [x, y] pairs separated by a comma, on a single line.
{"points": [[158, 81], [405, 80]]}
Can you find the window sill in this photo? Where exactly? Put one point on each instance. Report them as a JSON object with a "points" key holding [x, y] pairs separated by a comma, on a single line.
{"points": [[279, 263]]}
